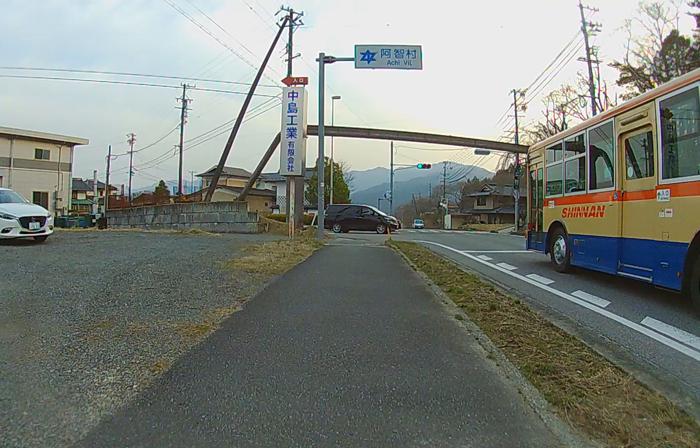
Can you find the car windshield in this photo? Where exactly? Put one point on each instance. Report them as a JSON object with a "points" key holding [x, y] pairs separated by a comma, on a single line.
{"points": [[10, 197], [418, 220], [377, 210]]}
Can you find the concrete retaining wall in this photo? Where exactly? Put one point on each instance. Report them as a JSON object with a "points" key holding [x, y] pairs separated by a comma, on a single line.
{"points": [[221, 217]]}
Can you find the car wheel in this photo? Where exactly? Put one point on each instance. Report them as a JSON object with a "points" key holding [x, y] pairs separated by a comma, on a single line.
{"points": [[694, 285], [40, 239], [559, 250], [381, 228], [337, 228]]}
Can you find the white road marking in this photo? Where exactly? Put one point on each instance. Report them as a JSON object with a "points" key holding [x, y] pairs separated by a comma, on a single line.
{"points": [[676, 333], [483, 257], [539, 278], [507, 266], [590, 298], [498, 252], [605, 313]]}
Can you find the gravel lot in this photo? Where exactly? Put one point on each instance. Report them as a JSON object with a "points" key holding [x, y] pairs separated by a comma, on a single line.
{"points": [[89, 319]]}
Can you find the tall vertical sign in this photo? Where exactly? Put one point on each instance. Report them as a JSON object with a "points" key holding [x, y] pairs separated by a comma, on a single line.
{"points": [[293, 141]]}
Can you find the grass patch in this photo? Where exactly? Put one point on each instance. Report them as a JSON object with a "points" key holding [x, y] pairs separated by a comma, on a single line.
{"points": [[585, 389], [160, 366], [274, 257]]}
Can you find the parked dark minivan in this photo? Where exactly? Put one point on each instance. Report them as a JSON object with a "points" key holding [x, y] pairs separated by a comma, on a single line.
{"points": [[345, 217]]}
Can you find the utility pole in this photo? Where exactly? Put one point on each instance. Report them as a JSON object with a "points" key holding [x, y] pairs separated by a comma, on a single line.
{"points": [[333, 100], [184, 101], [95, 194], [107, 190], [131, 141], [444, 193], [516, 171], [295, 184], [591, 79], [391, 181]]}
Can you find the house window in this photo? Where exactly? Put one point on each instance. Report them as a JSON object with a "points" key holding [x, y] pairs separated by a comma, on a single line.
{"points": [[42, 154], [41, 198], [481, 201]]}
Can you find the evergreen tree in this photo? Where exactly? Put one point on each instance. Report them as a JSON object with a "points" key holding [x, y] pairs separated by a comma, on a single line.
{"points": [[341, 191]]}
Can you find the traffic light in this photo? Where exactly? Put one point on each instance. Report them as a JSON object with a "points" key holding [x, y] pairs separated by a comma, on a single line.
{"points": [[424, 166]]}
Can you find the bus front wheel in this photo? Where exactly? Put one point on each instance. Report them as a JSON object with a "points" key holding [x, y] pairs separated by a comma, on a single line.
{"points": [[694, 285], [559, 250]]}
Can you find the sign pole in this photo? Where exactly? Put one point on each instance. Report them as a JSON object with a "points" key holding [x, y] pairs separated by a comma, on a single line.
{"points": [[321, 136]]}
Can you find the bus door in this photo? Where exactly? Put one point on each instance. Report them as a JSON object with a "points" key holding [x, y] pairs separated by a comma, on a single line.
{"points": [[535, 201], [637, 254]]}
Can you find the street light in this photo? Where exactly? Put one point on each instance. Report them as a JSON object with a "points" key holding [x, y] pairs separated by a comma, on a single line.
{"points": [[333, 98]]}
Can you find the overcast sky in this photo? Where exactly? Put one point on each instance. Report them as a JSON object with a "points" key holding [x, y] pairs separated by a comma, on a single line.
{"points": [[474, 54]]}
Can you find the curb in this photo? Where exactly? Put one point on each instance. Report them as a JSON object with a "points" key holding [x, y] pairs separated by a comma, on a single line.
{"points": [[568, 435]]}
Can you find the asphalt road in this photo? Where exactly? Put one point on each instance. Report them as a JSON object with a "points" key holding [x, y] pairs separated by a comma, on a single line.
{"points": [[350, 348], [652, 332]]}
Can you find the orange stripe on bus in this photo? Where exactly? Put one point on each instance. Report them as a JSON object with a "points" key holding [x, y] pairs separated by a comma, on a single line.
{"points": [[677, 190]]}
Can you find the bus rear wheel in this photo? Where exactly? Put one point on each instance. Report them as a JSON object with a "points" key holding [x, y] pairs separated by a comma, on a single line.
{"points": [[694, 285], [559, 250]]}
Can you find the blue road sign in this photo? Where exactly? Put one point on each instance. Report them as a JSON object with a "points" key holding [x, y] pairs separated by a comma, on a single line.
{"points": [[400, 57]]}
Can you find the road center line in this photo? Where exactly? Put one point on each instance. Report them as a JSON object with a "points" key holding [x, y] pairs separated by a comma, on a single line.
{"points": [[506, 266], [595, 300], [605, 313], [674, 332], [539, 278]]}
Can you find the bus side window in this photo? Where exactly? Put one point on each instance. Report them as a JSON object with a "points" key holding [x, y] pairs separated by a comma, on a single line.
{"points": [[601, 147], [680, 135], [639, 155]]}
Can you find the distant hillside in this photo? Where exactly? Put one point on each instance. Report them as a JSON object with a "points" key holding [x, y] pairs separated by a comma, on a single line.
{"points": [[172, 186], [362, 180], [410, 181]]}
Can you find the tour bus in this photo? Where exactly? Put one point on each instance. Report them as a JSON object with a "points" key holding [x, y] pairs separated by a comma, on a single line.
{"points": [[620, 193]]}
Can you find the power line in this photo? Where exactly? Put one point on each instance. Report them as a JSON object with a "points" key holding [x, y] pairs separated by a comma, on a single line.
{"points": [[127, 83], [140, 75], [545, 82], [210, 34], [221, 28], [571, 42]]}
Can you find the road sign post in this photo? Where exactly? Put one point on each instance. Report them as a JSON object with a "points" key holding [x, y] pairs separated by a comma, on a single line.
{"points": [[400, 57]]}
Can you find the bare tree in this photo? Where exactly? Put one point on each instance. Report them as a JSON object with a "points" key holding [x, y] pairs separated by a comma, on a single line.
{"points": [[657, 55]]}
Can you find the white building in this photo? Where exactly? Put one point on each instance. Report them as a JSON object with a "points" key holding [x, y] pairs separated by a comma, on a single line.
{"points": [[38, 166]]}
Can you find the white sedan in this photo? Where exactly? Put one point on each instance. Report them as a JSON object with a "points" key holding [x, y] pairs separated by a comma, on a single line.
{"points": [[20, 218]]}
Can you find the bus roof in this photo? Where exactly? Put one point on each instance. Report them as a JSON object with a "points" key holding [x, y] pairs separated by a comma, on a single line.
{"points": [[663, 89]]}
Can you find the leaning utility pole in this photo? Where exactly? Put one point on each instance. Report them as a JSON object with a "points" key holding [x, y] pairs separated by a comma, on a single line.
{"points": [[131, 141], [591, 79], [183, 116], [241, 114]]}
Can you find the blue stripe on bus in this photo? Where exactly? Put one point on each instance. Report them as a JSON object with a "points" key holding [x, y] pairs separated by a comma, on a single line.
{"points": [[660, 261]]}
